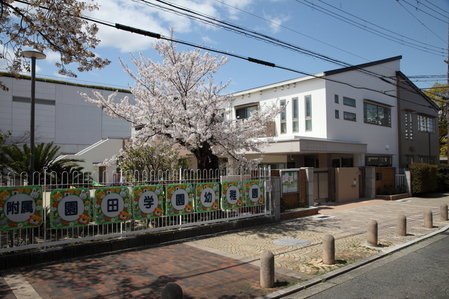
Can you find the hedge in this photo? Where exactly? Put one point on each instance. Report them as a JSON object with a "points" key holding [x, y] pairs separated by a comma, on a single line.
{"points": [[427, 178]]}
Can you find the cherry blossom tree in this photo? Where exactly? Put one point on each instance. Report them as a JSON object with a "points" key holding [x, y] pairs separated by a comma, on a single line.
{"points": [[177, 102], [54, 25]]}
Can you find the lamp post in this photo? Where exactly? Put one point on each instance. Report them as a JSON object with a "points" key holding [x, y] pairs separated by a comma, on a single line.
{"points": [[33, 55]]}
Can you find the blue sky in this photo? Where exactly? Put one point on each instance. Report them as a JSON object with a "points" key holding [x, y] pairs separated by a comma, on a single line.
{"points": [[424, 23]]}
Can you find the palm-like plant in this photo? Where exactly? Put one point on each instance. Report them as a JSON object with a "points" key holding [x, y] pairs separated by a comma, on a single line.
{"points": [[16, 160]]}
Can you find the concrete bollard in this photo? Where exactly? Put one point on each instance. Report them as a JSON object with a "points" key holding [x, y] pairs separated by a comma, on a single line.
{"points": [[172, 291], [443, 212], [402, 225], [428, 219], [372, 233], [267, 269], [328, 250]]}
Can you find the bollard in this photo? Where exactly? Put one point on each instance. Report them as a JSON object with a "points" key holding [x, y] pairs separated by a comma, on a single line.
{"points": [[443, 212], [372, 233], [328, 250], [267, 269], [428, 219], [172, 291], [402, 225]]}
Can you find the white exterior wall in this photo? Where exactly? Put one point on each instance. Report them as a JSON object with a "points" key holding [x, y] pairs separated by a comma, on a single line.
{"points": [[329, 134], [380, 140], [70, 122], [288, 90]]}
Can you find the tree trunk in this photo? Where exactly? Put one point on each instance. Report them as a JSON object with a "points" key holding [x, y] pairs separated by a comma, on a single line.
{"points": [[205, 158]]}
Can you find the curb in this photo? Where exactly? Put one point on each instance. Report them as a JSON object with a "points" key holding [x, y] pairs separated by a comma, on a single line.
{"points": [[311, 282]]}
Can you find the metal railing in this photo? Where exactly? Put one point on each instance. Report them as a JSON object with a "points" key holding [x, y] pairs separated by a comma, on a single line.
{"points": [[13, 237]]}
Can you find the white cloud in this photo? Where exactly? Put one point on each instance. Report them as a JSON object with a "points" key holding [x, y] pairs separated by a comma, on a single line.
{"points": [[207, 40], [276, 22], [139, 15], [234, 7], [129, 14], [52, 57]]}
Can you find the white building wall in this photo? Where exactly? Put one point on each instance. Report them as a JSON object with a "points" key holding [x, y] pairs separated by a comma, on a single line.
{"points": [[288, 90], [69, 122], [380, 140]]}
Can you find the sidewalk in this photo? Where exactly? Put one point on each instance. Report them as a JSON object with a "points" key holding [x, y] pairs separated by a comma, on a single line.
{"points": [[226, 265]]}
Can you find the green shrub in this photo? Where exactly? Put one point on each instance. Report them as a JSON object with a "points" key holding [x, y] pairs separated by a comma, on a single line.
{"points": [[443, 177], [424, 178]]}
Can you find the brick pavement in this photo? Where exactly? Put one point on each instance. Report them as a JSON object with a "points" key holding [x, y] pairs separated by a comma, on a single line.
{"points": [[143, 274], [226, 265]]}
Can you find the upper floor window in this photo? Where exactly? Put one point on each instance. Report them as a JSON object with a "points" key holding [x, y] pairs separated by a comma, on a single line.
{"points": [[426, 124], [308, 112], [245, 112], [376, 114], [349, 101], [283, 118], [408, 125], [295, 114], [349, 116], [336, 100]]}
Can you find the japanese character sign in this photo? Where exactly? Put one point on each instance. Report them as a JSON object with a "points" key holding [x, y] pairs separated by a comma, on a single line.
{"points": [[20, 207], [111, 205], [180, 199], [148, 201], [231, 197], [254, 193], [207, 197], [69, 208]]}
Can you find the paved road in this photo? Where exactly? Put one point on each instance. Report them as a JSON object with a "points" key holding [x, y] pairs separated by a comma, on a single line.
{"points": [[420, 271]]}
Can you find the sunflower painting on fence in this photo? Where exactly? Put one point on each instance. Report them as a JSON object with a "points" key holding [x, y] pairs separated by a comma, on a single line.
{"points": [[20, 207], [231, 197], [254, 193], [148, 202], [69, 208], [180, 199], [207, 197], [111, 205]]}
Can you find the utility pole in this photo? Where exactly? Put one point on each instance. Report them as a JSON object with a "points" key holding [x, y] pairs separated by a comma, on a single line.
{"points": [[447, 96]]}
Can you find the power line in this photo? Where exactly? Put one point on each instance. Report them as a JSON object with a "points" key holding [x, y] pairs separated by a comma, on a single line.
{"points": [[250, 59], [437, 7], [288, 28], [266, 63], [179, 10], [418, 45], [249, 33], [375, 25], [429, 14], [399, 2]]}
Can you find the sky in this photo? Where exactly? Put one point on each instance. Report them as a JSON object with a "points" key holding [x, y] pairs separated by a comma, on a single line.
{"points": [[350, 31]]}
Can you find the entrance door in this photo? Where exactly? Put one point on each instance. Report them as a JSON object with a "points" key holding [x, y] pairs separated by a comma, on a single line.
{"points": [[321, 184]]}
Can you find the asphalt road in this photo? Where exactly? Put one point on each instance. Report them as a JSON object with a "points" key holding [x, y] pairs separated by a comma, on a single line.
{"points": [[419, 271]]}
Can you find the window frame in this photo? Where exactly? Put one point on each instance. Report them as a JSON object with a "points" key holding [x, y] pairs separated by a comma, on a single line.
{"points": [[377, 120], [284, 117], [346, 113], [308, 112], [247, 112], [295, 115], [349, 102]]}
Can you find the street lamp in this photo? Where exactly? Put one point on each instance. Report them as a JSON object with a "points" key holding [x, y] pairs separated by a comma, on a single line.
{"points": [[33, 55]]}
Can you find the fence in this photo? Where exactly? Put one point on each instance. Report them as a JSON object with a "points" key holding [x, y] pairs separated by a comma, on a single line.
{"points": [[69, 208], [401, 182]]}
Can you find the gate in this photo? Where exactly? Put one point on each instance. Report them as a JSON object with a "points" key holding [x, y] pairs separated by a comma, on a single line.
{"points": [[323, 184]]}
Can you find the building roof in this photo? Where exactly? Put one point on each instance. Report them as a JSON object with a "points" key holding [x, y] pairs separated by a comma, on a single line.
{"points": [[361, 66]]}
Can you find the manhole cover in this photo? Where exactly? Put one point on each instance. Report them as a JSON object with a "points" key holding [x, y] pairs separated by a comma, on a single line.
{"points": [[403, 200], [322, 216], [291, 242]]}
